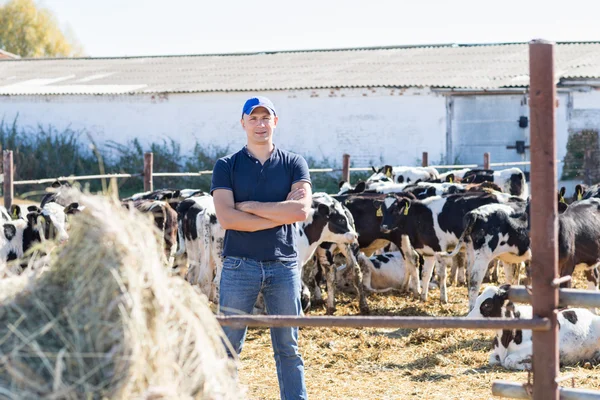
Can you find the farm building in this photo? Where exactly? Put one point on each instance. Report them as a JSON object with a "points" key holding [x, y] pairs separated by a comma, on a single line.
{"points": [[376, 104]]}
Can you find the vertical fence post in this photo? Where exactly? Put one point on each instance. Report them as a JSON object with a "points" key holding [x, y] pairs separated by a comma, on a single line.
{"points": [[7, 160], [486, 160], [544, 212], [425, 161], [148, 161], [346, 168]]}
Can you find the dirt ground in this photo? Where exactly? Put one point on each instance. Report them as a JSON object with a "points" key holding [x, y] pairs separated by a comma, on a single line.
{"points": [[343, 363]]}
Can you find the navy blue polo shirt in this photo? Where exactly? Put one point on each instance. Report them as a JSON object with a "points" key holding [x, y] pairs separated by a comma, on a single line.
{"points": [[272, 181]]}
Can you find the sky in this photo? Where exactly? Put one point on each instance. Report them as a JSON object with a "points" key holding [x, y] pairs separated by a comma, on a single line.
{"points": [[151, 27]]}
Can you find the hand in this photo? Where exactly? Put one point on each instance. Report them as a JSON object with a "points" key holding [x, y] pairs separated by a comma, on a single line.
{"points": [[297, 194]]}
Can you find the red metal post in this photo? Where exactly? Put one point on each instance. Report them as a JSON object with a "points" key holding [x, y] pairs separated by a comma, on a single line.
{"points": [[346, 168], [486, 160], [425, 161], [7, 159], [544, 213], [148, 161]]}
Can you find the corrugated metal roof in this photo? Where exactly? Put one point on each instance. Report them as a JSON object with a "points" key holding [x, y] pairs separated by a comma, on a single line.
{"points": [[441, 66]]}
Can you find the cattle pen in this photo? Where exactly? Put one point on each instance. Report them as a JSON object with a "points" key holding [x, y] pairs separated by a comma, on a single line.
{"points": [[544, 295]]}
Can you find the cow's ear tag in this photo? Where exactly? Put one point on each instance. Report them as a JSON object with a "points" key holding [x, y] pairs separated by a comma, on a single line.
{"points": [[562, 200], [379, 212], [388, 173], [451, 180], [579, 196], [406, 209]]}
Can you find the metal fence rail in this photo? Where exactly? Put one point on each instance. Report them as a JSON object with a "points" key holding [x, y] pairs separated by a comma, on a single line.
{"points": [[521, 391], [278, 321], [148, 173], [567, 297], [73, 178]]}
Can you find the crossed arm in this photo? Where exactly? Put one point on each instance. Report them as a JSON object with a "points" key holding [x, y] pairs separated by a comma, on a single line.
{"points": [[251, 216]]}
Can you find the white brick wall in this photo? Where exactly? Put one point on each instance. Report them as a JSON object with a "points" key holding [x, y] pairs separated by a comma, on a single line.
{"points": [[372, 125]]}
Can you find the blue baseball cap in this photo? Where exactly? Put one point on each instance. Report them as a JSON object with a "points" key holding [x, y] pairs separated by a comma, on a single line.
{"points": [[258, 101]]}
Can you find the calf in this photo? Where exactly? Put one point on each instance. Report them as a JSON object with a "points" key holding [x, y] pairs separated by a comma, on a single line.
{"points": [[404, 174], [431, 225], [511, 180], [578, 331]]}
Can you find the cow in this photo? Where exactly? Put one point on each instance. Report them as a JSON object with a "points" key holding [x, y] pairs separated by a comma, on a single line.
{"points": [[201, 239], [20, 235], [578, 331], [511, 180], [387, 271], [583, 192], [578, 240], [403, 174], [494, 231], [503, 231], [431, 225]]}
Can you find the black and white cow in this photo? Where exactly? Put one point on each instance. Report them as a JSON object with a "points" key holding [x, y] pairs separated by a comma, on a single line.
{"points": [[404, 174], [431, 225], [385, 272], [511, 180], [503, 231], [201, 239], [494, 231], [578, 331], [20, 235]]}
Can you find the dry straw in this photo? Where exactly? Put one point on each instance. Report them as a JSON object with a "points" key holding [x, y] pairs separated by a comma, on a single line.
{"points": [[106, 321]]}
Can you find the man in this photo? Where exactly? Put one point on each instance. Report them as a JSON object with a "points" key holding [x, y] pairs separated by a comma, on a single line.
{"points": [[259, 193]]}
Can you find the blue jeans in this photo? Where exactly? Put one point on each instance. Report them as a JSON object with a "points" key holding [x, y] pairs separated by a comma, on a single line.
{"points": [[241, 281]]}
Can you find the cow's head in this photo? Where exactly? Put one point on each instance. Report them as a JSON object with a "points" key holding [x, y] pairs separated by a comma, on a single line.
{"points": [[346, 187], [336, 220], [493, 303], [383, 174], [392, 211], [579, 192], [50, 222]]}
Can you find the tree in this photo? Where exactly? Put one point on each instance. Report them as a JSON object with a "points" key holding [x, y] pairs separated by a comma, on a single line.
{"points": [[29, 31]]}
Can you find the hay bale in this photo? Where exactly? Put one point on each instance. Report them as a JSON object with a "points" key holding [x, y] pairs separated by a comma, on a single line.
{"points": [[105, 320]]}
